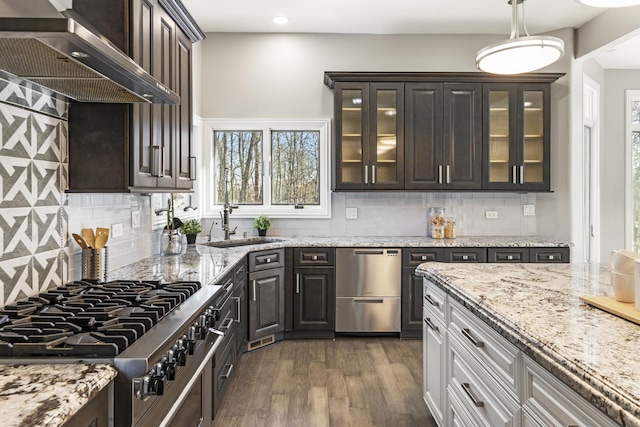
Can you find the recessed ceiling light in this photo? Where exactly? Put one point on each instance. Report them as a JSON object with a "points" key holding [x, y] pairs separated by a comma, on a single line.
{"points": [[280, 20]]}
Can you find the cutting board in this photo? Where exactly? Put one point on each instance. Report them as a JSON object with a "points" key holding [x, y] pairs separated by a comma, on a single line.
{"points": [[626, 310]]}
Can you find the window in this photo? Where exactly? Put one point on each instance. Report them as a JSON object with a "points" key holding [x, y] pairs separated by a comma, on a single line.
{"points": [[275, 167], [633, 137]]}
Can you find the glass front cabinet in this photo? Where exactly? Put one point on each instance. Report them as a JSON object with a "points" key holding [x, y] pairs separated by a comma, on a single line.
{"points": [[369, 136], [516, 136]]}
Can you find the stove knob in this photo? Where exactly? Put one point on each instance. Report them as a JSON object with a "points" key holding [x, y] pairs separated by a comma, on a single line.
{"points": [[141, 387], [189, 344], [181, 353], [193, 332], [156, 385], [169, 366]]}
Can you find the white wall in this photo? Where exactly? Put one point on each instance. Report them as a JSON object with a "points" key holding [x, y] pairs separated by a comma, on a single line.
{"points": [[281, 76]]}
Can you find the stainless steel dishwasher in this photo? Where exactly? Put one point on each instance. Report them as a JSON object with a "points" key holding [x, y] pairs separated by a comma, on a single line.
{"points": [[368, 289]]}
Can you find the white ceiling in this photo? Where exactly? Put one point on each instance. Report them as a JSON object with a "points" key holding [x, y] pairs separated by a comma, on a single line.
{"points": [[401, 17]]}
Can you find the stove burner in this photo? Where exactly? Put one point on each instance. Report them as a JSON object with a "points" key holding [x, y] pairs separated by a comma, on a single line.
{"points": [[88, 319]]}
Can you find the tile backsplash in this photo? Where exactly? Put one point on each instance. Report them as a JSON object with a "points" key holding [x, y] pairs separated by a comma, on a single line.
{"points": [[37, 217]]}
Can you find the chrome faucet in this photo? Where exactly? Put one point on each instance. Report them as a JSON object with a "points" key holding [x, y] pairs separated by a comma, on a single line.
{"points": [[228, 209], [213, 222]]}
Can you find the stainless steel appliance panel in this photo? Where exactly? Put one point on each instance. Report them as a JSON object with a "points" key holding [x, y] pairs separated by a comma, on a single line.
{"points": [[368, 272], [368, 314]]}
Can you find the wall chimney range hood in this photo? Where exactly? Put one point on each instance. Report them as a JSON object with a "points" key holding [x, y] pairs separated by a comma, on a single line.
{"points": [[66, 55]]}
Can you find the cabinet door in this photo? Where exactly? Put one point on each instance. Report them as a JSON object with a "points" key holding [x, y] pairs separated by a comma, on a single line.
{"points": [[433, 351], [462, 136], [351, 106], [411, 301], [386, 138], [533, 150], [185, 147], [500, 135], [314, 299], [266, 303], [423, 136]]}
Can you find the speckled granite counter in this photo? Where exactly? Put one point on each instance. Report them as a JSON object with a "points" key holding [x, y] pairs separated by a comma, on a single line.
{"points": [[39, 395], [537, 307], [205, 264]]}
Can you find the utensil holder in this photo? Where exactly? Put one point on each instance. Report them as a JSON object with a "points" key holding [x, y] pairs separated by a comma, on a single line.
{"points": [[95, 264]]}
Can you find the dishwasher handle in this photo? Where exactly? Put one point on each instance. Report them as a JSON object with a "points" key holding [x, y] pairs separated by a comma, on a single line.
{"points": [[368, 251]]}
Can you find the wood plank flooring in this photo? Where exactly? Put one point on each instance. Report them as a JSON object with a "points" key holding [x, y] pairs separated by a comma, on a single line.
{"points": [[342, 382]]}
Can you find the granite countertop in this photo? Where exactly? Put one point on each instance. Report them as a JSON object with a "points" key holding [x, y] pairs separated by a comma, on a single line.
{"points": [[41, 395], [207, 264], [537, 307]]}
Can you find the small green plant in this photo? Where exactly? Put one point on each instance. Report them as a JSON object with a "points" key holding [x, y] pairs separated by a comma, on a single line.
{"points": [[262, 222], [191, 226]]}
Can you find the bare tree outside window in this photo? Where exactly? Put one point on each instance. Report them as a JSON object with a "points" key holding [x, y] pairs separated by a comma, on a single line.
{"points": [[241, 152], [295, 157]]}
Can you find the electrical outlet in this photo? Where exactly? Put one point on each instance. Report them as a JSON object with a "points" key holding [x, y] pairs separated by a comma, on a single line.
{"points": [[116, 230], [491, 214], [529, 210], [351, 213], [135, 219]]}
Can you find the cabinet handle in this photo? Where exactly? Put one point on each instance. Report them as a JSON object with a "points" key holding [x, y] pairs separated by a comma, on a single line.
{"points": [[430, 301], [467, 335], [227, 374], [228, 286], [514, 174], [373, 174], [254, 291], [521, 174], [509, 257], [161, 162], [368, 301], [297, 283], [439, 174], [467, 389], [366, 174], [448, 174], [238, 307], [465, 257], [429, 324], [192, 165]]}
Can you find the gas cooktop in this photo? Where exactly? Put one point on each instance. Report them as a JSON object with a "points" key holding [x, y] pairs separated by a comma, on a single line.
{"points": [[88, 319]]}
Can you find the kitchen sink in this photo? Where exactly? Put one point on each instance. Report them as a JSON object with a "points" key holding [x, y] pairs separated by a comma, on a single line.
{"points": [[242, 242]]}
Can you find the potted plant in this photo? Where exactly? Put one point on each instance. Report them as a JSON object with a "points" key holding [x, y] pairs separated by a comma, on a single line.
{"points": [[262, 223], [170, 240], [191, 228]]}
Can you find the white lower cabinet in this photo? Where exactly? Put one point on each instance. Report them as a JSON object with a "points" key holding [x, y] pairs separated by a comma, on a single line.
{"points": [[433, 345], [475, 377], [549, 402]]}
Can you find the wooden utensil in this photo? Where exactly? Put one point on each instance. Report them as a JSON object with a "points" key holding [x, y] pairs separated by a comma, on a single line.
{"points": [[89, 237], [102, 230], [79, 240], [101, 241]]}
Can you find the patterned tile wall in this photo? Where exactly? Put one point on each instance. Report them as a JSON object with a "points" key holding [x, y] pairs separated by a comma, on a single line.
{"points": [[33, 159]]}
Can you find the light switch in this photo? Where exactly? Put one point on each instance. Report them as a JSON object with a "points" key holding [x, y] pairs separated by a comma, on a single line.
{"points": [[491, 214]]}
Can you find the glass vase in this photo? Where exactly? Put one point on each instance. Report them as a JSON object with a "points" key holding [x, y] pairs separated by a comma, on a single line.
{"points": [[170, 242]]}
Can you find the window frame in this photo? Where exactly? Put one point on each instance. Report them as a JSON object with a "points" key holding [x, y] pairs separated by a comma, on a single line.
{"points": [[207, 187], [630, 128]]}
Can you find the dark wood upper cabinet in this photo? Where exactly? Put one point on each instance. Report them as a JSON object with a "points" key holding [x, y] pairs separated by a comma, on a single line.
{"points": [[453, 131], [517, 136], [141, 147], [369, 136]]}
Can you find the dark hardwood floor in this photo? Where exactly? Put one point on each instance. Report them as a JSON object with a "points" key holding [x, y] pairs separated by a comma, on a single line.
{"points": [[346, 382]]}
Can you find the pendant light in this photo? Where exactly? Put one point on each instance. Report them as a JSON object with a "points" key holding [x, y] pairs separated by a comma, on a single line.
{"points": [[609, 3], [521, 53]]}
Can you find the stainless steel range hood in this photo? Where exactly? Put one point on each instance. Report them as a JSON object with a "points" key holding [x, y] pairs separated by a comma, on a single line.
{"points": [[66, 56]]}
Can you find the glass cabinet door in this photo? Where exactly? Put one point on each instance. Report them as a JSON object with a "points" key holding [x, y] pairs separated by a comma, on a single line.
{"points": [[533, 150], [387, 123], [500, 135], [352, 155]]}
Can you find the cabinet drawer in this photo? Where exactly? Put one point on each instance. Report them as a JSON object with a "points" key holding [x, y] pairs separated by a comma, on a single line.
{"points": [[508, 255], [549, 254], [416, 256], [265, 260], [314, 256], [433, 298], [224, 364], [465, 255], [478, 393], [498, 356], [549, 402]]}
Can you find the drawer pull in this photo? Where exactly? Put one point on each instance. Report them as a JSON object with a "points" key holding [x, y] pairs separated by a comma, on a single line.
{"points": [[254, 291], [510, 257], [430, 301], [550, 257], [424, 257], [268, 260], [227, 324], [429, 324], [314, 258], [465, 257], [467, 389], [228, 287], [368, 301], [227, 374], [475, 342], [298, 283]]}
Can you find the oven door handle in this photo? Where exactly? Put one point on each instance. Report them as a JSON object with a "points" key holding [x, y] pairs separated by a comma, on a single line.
{"points": [[185, 391]]}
